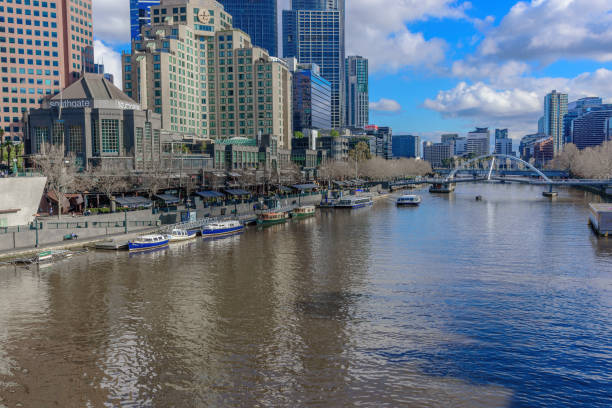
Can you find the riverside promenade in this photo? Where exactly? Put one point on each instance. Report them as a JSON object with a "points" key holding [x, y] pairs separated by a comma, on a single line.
{"points": [[20, 242]]}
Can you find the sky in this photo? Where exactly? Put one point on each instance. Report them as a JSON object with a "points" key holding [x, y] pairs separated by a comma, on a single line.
{"points": [[444, 66]]}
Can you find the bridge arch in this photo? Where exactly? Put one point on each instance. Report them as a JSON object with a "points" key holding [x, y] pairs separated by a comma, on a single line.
{"points": [[498, 156]]}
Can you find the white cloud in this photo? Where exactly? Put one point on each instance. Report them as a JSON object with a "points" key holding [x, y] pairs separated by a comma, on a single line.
{"points": [[519, 103], [377, 30], [547, 30], [386, 105], [112, 21], [110, 58]]}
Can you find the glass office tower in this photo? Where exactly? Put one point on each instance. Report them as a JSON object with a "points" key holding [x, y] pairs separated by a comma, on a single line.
{"points": [[258, 18], [313, 32], [140, 14]]}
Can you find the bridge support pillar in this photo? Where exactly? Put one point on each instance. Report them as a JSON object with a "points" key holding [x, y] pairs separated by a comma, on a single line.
{"points": [[550, 193]]}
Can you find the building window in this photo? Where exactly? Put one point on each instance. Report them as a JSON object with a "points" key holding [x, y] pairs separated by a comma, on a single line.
{"points": [[41, 135], [147, 143], [75, 134], [95, 138], [110, 136], [58, 133], [139, 134]]}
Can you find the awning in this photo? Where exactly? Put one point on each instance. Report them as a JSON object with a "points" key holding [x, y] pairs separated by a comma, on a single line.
{"points": [[132, 202], [237, 192], [285, 189], [339, 183], [210, 194], [168, 199], [234, 174], [219, 174], [305, 186]]}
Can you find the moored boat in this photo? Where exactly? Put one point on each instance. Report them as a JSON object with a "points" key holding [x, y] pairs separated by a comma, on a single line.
{"points": [[354, 202], [223, 228], [147, 242], [270, 218], [304, 211], [408, 200], [179, 235]]}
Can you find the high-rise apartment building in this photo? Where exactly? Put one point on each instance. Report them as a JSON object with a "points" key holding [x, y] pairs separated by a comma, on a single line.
{"points": [[478, 142], [140, 15], [259, 19], [311, 97], [591, 128], [206, 78], [574, 110], [436, 153], [44, 47], [357, 94], [503, 144], [313, 32], [555, 108]]}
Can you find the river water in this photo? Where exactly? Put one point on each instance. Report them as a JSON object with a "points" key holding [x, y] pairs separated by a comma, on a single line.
{"points": [[501, 303]]}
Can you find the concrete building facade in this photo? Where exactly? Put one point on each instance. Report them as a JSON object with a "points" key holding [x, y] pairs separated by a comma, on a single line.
{"points": [[44, 47], [436, 153], [206, 78], [478, 142]]}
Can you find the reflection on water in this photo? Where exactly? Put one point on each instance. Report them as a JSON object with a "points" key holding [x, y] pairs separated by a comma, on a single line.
{"points": [[499, 303]]}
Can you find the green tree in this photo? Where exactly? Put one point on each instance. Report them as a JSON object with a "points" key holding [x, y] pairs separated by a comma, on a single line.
{"points": [[334, 133], [298, 135], [361, 152]]}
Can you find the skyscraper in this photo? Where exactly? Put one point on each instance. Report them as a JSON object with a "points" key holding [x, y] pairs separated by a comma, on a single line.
{"points": [[574, 110], [503, 144], [313, 32], [555, 108], [258, 18], [140, 14], [45, 46], [357, 97]]}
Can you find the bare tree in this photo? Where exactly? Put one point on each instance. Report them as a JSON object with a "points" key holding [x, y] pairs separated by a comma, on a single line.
{"points": [[155, 177], [61, 171], [108, 178]]}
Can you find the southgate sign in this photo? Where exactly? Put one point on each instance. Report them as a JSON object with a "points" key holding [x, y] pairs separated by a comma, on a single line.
{"points": [[99, 104]]}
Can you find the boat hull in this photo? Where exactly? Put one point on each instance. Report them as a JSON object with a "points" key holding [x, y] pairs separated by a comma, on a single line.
{"points": [[222, 232], [416, 204], [354, 207], [192, 235], [136, 246], [298, 216]]}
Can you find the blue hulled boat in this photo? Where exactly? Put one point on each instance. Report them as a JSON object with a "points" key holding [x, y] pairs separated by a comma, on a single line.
{"points": [[148, 242], [220, 229]]}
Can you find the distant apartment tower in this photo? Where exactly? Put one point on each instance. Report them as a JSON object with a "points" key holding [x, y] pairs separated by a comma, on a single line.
{"points": [[408, 146], [44, 47], [436, 153], [479, 142], [206, 78], [311, 97], [591, 128], [458, 144], [574, 110], [555, 108], [314, 32], [503, 144], [140, 15], [357, 94], [259, 19]]}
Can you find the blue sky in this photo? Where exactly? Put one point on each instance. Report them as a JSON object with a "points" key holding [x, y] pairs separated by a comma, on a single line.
{"points": [[441, 66]]}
